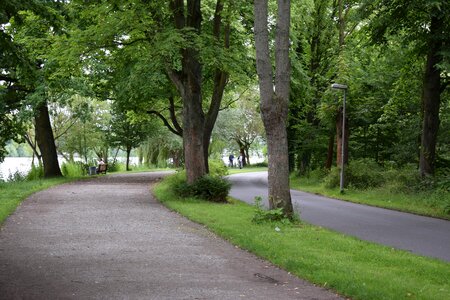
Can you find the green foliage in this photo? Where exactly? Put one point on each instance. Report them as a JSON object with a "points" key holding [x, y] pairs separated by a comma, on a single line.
{"points": [[74, 169], [116, 167], [355, 269], [16, 177], [263, 164], [332, 179], [208, 187], [263, 215], [364, 173], [217, 168], [359, 174], [36, 172], [211, 188]]}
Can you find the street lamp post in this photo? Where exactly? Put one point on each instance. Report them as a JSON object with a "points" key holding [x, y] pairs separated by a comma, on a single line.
{"points": [[343, 87]]}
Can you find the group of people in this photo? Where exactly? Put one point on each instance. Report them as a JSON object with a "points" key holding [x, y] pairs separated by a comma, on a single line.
{"points": [[240, 161]]}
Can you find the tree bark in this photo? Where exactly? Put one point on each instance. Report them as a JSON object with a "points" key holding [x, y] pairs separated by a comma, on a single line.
{"points": [[431, 100], [330, 151], [188, 82], [274, 102], [128, 158], [46, 142]]}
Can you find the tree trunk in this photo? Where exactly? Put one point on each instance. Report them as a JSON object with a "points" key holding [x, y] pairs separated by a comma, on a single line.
{"points": [[431, 101], [274, 104], [193, 116], [193, 121], [128, 158], [46, 142], [330, 151], [247, 156]]}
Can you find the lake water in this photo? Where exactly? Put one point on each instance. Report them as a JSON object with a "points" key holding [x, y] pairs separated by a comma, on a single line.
{"points": [[22, 165]]}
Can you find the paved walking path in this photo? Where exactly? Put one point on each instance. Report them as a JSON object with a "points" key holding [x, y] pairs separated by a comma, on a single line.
{"points": [[107, 238], [418, 234]]}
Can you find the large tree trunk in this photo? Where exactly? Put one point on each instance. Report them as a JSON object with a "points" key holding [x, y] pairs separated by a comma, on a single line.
{"points": [[188, 82], [431, 101], [193, 122], [46, 142], [274, 104], [128, 158], [197, 127]]}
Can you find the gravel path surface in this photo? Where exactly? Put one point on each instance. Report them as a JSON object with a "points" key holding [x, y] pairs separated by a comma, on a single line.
{"points": [[107, 238]]}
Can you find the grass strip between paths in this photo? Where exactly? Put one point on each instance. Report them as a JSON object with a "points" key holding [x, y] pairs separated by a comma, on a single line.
{"points": [[354, 268], [418, 203], [13, 193]]}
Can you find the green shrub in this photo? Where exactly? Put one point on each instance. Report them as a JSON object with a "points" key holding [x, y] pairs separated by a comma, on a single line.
{"points": [[364, 173], [210, 188], [263, 164], [16, 177], [403, 180], [35, 173], [217, 168], [262, 215], [116, 167], [331, 181], [318, 173], [74, 169], [443, 179], [359, 174]]}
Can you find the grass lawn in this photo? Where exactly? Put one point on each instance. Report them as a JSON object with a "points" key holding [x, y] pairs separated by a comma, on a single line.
{"points": [[424, 203], [353, 268], [13, 193]]}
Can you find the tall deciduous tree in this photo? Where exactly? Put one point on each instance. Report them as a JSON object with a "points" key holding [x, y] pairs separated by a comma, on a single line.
{"points": [[427, 23], [275, 98], [32, 35]]}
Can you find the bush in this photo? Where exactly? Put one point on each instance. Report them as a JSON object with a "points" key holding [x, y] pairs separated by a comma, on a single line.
{"points": [[217, 168], [263, 164], [364, 173], [332, 179], [210, 188], [360, 174], [116, 167], [74, 169], [16, 177], [35, 173], [262, 215], [404, 180]]}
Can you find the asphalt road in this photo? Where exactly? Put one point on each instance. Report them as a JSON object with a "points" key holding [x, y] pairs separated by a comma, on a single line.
{"points": [[421, 235], [108, 238]]}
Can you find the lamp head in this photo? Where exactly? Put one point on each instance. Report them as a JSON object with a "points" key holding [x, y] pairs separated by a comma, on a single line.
{"points": [[339, 86]]}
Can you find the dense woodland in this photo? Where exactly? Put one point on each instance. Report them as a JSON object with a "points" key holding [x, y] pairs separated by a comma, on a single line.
{"points": [[90, 77]]}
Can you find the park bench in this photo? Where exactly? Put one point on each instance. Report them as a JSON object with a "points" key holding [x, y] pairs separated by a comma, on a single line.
{"points": [[102, 168]]}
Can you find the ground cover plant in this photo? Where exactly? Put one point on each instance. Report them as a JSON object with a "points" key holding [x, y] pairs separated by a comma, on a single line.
{"points": [[354, 268]]}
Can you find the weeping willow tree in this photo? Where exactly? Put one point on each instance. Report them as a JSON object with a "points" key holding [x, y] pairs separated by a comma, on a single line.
{"points": [[161, 149]]}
